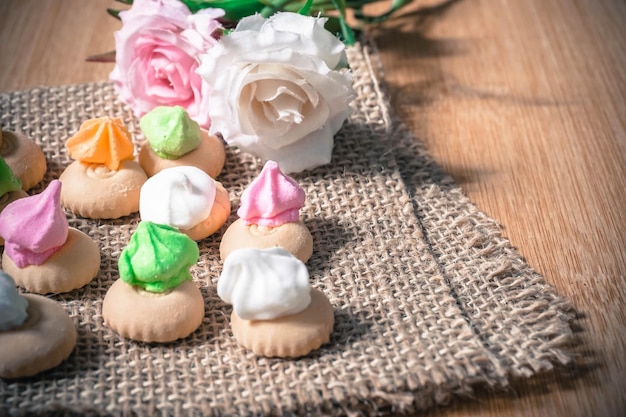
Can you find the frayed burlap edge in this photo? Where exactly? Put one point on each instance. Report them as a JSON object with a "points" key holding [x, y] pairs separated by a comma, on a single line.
{"points": [[490, 280]]}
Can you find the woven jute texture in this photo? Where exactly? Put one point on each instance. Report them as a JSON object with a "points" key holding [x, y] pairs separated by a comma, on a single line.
{"points": [[429, 299]]}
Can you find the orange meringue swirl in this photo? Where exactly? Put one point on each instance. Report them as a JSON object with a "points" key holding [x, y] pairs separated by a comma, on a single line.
{"points": [[103, 140]]}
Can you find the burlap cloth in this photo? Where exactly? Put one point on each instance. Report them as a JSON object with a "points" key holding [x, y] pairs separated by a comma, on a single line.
{"points": [[429, 299]]}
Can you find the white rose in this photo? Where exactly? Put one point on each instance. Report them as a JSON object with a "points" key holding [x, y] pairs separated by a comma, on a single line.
{"points": [[276, 90]]}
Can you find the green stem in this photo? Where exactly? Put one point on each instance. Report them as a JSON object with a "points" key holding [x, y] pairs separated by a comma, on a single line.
{"points": [[395, 6], [274, 7], [346, 30], [306, 8]]}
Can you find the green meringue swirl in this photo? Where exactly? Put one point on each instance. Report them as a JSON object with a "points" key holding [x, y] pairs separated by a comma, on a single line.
{"points": [[8, 181], [170, 132], [157, 258]]}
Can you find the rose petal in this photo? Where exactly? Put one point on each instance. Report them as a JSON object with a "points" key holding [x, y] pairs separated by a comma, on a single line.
{"points": [[311, 151], [274, 90]]}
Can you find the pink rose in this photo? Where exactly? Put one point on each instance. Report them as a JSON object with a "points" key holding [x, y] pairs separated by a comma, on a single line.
{"points": [[156, 57]]}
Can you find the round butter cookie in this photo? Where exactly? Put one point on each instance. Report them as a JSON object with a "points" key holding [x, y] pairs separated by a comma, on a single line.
{"points": [[73, 266], [10, 197], [96, 192], [43, 341], [294, 237], [269, 216], [209, 156], [153, 317], [288, 336], [25, 158]]}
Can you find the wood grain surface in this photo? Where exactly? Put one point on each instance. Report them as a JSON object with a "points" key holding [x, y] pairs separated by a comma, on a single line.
{"points": [[522, 102]]}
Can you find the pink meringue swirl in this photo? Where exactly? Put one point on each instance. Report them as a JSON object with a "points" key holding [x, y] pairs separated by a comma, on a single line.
{"points": [[272, 199], [34, 227]]}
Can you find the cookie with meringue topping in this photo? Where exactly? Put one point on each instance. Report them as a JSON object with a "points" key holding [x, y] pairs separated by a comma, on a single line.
{"points": [[174, 139], [269, 216], [36, 333], [41, 252], [187, 198], [155, 299], [25, 158], [104, 181], [275, 313]]}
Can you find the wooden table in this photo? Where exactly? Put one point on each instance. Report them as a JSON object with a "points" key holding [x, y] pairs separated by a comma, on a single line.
{"points": [[522, 102]]}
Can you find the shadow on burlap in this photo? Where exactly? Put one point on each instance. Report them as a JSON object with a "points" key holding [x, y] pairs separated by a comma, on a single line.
{"points": [[429, 299]]}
